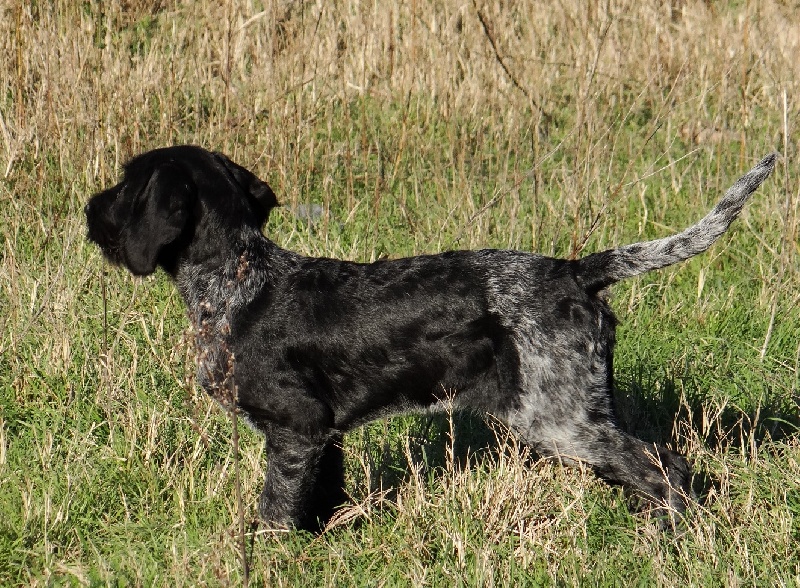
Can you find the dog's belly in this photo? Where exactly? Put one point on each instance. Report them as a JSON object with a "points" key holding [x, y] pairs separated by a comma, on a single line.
{"points": [[364, 377], [431, 376]]}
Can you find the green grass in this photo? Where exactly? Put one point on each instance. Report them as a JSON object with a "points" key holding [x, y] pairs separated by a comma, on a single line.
{"points": [[116, 470]]}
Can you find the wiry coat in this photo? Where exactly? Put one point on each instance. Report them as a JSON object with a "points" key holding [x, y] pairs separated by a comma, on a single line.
{"points": [[315, 347]]}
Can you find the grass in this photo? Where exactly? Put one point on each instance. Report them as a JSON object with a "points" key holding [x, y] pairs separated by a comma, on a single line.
{"points": [[562, 128]]}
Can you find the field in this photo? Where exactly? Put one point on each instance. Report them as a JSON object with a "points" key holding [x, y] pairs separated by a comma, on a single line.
{"points": [[390, 130]]}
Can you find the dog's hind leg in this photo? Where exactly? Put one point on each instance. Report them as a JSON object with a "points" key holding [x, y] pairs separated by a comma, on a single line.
{"points": [[304, 480], [659, 475], [565, 410]]}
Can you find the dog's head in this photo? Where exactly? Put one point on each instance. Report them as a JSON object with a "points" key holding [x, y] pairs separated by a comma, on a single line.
{"points": [[165, 197]]}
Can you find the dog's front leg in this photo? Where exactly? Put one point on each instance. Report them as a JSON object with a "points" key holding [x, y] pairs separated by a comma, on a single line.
{"points": [[304, 481]]}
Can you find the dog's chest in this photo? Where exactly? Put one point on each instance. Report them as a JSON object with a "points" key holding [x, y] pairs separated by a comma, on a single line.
{"points": [[214, 357], [211, 302]]}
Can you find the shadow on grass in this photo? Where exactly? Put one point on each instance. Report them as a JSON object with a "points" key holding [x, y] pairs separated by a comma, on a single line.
{"points": [[650, 406], [427, 444]]}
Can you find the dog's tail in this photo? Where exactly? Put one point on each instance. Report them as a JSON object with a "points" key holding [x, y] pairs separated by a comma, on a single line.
{"points": [[602, 269]]}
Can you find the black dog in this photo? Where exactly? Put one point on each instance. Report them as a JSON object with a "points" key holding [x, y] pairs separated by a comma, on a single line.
{"points": [[318, 346]]}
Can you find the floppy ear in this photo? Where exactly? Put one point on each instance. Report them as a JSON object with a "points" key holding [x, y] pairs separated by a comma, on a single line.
{"points": [[260, 195], [157, 219]]}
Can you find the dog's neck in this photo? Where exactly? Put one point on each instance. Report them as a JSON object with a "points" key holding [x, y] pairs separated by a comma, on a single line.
{"points": [[213, 298], [230, 286]]}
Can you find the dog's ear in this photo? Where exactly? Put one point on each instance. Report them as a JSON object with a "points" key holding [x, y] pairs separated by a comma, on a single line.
{"points": [[261, 196], [161, 212]]}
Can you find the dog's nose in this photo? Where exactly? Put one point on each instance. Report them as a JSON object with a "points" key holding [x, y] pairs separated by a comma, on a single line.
{"points": [[87, 208]]}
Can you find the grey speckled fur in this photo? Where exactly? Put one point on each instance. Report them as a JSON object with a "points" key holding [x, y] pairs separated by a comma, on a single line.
{"points": [[311, 347]]}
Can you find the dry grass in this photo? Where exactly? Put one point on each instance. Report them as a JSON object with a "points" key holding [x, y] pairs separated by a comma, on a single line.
{"points": [[558, 127]]}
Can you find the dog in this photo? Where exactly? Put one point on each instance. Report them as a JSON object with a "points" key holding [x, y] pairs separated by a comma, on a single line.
{"points": [[309, 348]]}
